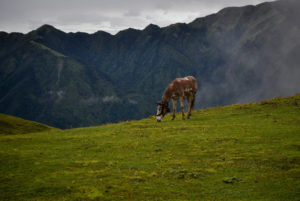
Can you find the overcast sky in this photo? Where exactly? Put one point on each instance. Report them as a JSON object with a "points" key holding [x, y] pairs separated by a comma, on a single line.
{"points": [[107, 15]]}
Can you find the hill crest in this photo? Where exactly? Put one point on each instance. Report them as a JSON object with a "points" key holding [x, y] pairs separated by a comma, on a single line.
{"points": [[14, 125]]}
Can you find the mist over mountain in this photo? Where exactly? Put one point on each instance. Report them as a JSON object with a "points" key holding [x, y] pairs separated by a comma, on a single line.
{"points": [[239, 54]]}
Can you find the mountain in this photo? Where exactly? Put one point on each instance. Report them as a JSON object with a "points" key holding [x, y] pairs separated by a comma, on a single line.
{"points": [[42, 84], [239, 54]]}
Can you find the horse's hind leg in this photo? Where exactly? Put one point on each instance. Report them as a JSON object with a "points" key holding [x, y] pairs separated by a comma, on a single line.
{"points": [[182, 107], [174, 108], [191, 105]]}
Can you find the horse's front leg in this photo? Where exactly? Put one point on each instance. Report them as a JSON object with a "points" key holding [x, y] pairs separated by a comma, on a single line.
{"points": [[182, 107], [174, 108]]}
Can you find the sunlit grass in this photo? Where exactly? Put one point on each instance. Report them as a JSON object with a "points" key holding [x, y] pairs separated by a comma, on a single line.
{"points": [[238, 152]]}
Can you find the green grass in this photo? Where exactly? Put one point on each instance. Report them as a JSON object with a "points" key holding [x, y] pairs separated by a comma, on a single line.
{"points": [[14, 125], [238, 152]]}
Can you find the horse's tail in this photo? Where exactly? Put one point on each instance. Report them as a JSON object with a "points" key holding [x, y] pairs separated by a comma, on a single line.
{"points": [[193, 101]]}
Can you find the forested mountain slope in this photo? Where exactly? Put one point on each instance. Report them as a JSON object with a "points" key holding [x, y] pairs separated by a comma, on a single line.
{"points": [[239, 54]]}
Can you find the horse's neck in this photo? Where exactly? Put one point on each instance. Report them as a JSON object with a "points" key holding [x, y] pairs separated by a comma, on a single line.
{"points": [[165, 99], [167, 95]]}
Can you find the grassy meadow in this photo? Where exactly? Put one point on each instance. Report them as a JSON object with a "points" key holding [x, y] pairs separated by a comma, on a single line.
{"points": [[238, 152]]}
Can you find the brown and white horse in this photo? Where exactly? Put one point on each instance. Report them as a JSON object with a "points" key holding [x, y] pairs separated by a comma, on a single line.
{"points": [[180, 88]]}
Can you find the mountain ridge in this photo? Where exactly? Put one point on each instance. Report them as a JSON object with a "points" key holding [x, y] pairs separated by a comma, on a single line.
{"points": [[238, 54]]}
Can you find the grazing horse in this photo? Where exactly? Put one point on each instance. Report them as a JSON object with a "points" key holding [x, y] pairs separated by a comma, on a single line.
{"points": [[180, 88]]}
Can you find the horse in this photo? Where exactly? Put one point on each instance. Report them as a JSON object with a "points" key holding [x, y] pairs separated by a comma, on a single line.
{"points": [[180, 88]]}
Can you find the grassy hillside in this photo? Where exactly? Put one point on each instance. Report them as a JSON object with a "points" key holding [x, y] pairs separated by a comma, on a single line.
{"points": [[238, 152], [14, 125]]}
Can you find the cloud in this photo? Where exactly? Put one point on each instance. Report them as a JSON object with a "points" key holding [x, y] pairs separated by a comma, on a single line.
{"points": [[108, 15], [110, 99], [132, 13]]}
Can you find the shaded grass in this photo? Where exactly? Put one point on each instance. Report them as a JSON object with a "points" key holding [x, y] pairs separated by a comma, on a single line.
{"points": [[238, 152], [14, 125]]}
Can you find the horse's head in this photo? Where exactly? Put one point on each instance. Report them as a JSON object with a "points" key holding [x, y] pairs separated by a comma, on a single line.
{"points": [[162, 110]]}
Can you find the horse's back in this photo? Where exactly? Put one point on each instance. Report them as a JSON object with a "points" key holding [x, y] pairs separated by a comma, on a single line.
{"points": [[186, 82], [191, 80], [185, 79]]}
